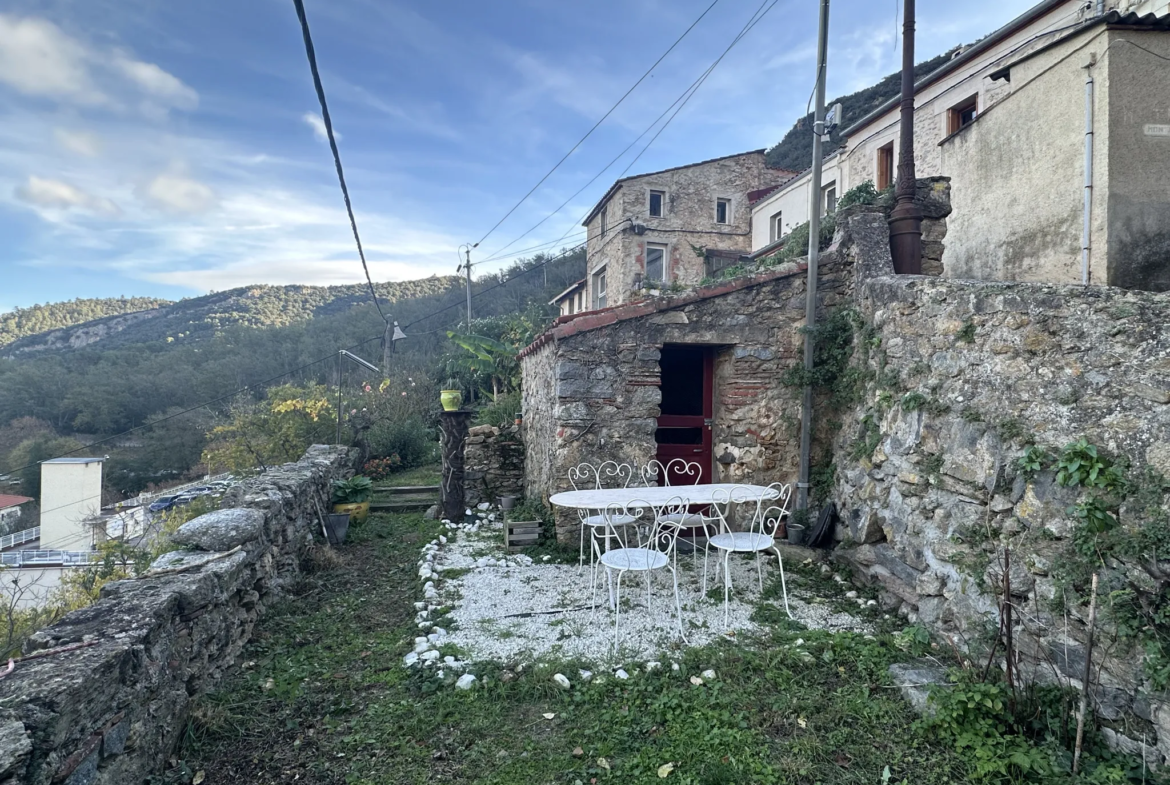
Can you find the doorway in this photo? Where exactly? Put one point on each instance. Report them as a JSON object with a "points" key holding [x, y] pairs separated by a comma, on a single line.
{"points": [[684, 424]]}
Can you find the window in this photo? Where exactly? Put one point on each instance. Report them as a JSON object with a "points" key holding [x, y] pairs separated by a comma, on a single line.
{"points": [[962, 114], [604, 221], [657, 203], [775, 227], [655, 263], [722, 211], [830, 200], [885, 166], [599, 298]]}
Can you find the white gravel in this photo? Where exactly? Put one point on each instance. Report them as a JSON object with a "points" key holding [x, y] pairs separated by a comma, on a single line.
{"points": [[506, 608]]}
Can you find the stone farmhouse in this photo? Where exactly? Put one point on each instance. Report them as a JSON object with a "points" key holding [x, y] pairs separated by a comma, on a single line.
{"points": [[671, 228], [1055, 133]]}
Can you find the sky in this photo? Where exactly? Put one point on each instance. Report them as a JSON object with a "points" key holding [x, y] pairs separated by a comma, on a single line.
{"points": [[155, 148]]}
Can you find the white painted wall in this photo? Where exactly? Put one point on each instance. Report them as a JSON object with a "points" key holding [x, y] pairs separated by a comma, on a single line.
{"points": [[791, 202], [71, 493]]}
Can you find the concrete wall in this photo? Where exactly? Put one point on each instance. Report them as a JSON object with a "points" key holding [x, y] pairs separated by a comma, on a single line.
{"points": [[1139, 159], [71, 494], [1017, 175], [687, 224], [110, 711]]}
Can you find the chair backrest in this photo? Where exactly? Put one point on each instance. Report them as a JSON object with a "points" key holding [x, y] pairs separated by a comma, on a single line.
{"points": [[677, 471], [607, 474], [662, 534], [766, 510]]}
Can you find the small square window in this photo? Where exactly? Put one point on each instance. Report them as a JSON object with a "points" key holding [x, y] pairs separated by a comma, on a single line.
{"points": [[722, 211], [655, 263], [830, 201], [962, 114], [599, 294], [775, 227], [657, 203]]}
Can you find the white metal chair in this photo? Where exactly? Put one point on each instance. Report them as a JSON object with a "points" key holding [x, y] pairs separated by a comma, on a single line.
{"points": [[585, 477], [658, 474], [766, 515], [657, 552]]}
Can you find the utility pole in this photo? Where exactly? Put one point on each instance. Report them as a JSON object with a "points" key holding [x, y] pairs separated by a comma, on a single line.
{"points": [[467, 270], [814, 250], [906, 218]]}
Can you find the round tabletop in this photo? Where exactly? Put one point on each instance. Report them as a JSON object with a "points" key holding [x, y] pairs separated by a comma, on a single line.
{"points": [[721, 493]]}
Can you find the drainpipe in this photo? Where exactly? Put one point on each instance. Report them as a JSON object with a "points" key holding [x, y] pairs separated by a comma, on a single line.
{"points": [[814, 251], [1086, 230]]}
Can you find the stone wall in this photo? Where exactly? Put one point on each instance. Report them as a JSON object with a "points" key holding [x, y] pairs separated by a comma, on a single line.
{"points": [[493, 464], [964, 375], [102, 696]]}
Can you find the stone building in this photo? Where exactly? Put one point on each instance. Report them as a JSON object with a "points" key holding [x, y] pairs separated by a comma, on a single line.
{"points": [[1005, 119], [673, 227], [696, 375]]}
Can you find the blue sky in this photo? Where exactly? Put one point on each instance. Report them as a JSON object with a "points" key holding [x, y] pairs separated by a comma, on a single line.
{"points": [[149, 147]]}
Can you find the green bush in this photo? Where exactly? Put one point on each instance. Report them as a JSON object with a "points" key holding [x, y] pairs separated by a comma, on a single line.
{"points": [[501, 412], [410, 439]]}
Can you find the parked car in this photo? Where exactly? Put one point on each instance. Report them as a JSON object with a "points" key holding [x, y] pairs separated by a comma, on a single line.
{"points": [[162, 503]]}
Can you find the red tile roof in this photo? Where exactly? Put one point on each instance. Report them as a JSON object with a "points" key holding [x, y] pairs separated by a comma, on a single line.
{"points": [[585, 321], [8, 500]]}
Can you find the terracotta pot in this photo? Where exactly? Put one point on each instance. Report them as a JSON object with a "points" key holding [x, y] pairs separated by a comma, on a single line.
{"points": [[358, 512], [451, 400]]}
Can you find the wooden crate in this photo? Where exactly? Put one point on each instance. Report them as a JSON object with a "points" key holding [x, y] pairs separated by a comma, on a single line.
{"points": [[521, 534]]}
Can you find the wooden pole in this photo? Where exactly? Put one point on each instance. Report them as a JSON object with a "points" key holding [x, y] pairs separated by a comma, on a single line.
{"points": [[906, 218], [1085, 679]]}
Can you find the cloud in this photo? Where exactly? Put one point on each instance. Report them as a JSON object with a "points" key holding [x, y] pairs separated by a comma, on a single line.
{"points": [[314, 121], [43, 192], [157, 83], [178, 194], [37, 58], [80, 142]]}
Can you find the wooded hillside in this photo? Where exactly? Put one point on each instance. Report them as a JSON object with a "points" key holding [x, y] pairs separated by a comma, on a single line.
{"points": [[51, 316]]}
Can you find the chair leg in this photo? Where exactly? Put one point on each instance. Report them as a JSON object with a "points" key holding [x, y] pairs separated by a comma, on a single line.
{"points": [[760, 571], [726, 589], [617, 609], [783, 584], [581, 549]]}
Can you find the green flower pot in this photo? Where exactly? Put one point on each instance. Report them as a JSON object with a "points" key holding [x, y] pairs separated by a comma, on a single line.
{"points": [[451, 400]]}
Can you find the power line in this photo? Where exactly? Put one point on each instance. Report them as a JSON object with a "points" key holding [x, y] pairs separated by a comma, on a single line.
{"points": [[589, 133], [309, 52], [530, 248]]}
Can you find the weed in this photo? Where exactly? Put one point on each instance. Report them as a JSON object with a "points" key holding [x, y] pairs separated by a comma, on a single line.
{"points": [[931, 464], [966, 333], [913, 401], [971, 414], [1011, 429], [1033, 460]]}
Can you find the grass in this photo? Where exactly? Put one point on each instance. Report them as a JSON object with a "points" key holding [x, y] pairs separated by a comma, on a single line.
{"points": [[431, 474], [322, 698]]}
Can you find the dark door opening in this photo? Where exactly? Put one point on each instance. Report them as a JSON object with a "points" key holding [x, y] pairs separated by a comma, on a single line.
{"points": [[684, 425]]}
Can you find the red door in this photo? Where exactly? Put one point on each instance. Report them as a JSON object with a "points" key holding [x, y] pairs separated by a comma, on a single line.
{"points": [[684, 425]]}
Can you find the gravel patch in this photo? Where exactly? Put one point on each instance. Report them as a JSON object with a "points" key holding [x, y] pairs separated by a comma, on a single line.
{"points": [[507, 608]]}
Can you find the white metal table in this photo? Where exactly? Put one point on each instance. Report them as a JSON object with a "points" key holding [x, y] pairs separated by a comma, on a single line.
{"points": [[612, 498]]}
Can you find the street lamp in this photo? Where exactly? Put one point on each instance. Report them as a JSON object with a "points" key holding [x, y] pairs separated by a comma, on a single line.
{"points": [[343, 354]]}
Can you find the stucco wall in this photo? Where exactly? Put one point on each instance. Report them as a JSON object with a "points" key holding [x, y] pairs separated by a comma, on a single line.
{"points": [[792, 202], [1017, 176], [71, 494], [688, 220], [1139, 160]]}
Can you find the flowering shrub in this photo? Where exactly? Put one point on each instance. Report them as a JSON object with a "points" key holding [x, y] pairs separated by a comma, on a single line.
{"points": [[381, 468]]}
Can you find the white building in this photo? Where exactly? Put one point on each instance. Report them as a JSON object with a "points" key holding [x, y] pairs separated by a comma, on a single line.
{"points": [[71, 496]]}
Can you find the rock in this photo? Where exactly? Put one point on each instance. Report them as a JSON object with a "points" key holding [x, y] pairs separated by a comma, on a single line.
{"points": [[915, 680], [708, 674], [653, 665], [221, 530], [432, 513], [14, 743], [561, 680], [483, 506], [620, 673], [410, 659], [431, 655], [185, 559], [586, 676], [465, 682]]}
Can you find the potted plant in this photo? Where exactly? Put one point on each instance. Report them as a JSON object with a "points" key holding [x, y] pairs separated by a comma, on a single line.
{"points": [[451, 396], [353, 496]]}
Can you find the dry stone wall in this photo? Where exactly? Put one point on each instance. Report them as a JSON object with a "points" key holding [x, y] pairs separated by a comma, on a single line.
{"points": [[493, 464], [102, 696], [965, 376]]}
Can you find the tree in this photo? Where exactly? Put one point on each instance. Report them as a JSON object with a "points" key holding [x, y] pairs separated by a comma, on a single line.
{"points": [[28, 455], [271, 432]]}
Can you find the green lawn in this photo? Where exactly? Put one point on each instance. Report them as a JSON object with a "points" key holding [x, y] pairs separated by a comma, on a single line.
{"points": [[322, 698], [431, 474]]}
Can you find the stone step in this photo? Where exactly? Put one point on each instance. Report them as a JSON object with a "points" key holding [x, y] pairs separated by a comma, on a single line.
{"points": [[407, 490], [413, 505]]}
